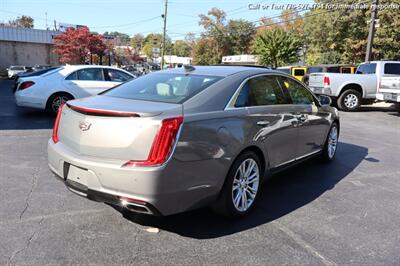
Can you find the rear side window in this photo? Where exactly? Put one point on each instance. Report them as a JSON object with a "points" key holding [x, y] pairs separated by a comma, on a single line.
{"points": [[299, 72], [72, 76], [366, 69], [392, 69], [94, 74], [298, 93], [163, 87], [259, 91], [116, 75]]}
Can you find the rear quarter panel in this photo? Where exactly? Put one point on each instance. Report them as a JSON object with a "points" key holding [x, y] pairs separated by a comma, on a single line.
{"points": [[210, 142]]}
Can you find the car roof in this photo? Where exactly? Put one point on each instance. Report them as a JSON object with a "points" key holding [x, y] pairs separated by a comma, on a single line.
{"points": [[216, 70], [86, 66]]}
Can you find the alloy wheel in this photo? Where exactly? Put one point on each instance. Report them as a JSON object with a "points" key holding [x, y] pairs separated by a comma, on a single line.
{"points": [[245, 185], [58, 101], [350, 101], [332, 142]]}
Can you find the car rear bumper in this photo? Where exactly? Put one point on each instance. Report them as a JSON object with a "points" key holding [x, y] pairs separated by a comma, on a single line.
{"points": [[388, 97], [321, 90], [28, 101], [150, 190]]}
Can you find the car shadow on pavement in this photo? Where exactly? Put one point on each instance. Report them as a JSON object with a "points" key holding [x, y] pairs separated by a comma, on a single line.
{"points": [[281, 195]]}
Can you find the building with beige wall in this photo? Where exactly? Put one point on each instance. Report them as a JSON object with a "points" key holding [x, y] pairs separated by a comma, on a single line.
{"points": [[27, 47]]}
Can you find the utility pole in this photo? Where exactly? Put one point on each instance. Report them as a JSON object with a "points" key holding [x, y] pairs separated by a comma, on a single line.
{"points": [[164, 16], [374, 13]]}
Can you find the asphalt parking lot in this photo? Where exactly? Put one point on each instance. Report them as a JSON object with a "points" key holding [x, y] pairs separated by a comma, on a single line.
{"points": [[347, 212]]}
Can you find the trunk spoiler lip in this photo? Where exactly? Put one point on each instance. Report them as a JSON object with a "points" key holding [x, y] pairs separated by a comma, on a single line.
{"points": [[101, 112]]}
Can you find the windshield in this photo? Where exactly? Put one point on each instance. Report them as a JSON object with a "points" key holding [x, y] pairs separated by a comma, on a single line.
{"points": [[163, 87]]}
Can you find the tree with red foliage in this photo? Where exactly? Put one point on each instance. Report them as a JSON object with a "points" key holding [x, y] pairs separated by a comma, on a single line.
{"points": [[76, 45]]}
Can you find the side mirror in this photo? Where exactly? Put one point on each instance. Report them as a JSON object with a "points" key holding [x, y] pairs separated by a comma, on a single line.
{"points": [[325, 100]]}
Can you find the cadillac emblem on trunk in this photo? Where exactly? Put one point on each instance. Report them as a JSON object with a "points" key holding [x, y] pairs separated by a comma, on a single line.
{"points": [[84, 126]]}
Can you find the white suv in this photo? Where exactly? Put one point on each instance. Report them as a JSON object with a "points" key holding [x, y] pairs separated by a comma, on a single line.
{"points": [[50, 90]]}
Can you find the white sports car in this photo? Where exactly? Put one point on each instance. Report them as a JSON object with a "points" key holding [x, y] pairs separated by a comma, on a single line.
{"points": [[50, 90]]}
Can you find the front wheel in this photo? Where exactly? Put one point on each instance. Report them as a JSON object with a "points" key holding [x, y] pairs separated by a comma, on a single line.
{"points": [[241, 188], [329, 151]]}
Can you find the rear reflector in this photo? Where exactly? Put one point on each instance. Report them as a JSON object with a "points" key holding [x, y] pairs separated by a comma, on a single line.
{"points": [[327, 81], [56, 124], [97, 112], [25, 85], [162, 144]]}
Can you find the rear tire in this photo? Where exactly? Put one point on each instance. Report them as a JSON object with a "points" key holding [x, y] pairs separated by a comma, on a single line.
{"points": [[242, 187], [55, 101], [330, 147], [350, 100]]}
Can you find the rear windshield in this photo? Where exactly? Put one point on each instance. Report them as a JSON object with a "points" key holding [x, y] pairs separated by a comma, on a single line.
{"points": [[163, 87], [366, 69], [299, 72]]}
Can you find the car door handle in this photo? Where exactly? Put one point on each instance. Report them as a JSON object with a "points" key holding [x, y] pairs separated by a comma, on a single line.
{"points": [[263, 123]]}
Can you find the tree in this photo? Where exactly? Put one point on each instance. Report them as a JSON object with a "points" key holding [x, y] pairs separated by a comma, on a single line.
{"points": [[277, 47], [215, 28], [227, 37], [76, 45], [345, 31], [148, 50], [203, 53], [240, 34], [20, 22], [181, 48], [137, 41]]}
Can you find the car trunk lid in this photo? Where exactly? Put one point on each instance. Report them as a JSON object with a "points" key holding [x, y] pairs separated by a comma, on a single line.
{"points": [[113, 128]]}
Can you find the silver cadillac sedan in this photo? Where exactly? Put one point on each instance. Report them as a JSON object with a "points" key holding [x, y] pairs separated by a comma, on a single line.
{"points": [[180, 139]]}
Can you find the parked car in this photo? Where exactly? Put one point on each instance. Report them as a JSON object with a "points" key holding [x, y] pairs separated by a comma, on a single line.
{"points": [[389, 88], [183, 138], [296, 71], [329, 68], [40, 67], [350, 91], [12, 71], [54, 88], [133, 70], [30, 74]]}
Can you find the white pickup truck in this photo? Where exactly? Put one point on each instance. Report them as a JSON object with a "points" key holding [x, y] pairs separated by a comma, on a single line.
{"points": [[352, 90]]}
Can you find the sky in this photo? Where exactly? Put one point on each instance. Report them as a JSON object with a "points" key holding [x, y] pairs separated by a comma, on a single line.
{"points": [[136, 16]]}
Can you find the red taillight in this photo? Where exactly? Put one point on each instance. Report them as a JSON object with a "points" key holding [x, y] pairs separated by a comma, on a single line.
{"points": [[56, 124], [162, 144], [25, 85], [327, 81]]}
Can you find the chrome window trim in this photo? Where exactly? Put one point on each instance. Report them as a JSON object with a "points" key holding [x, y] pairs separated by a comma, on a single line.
{"points": [[232, 100]]}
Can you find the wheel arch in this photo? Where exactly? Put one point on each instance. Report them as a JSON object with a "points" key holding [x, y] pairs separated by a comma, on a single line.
{"points": [[258, 151], [56, 93], [352, 86]]}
